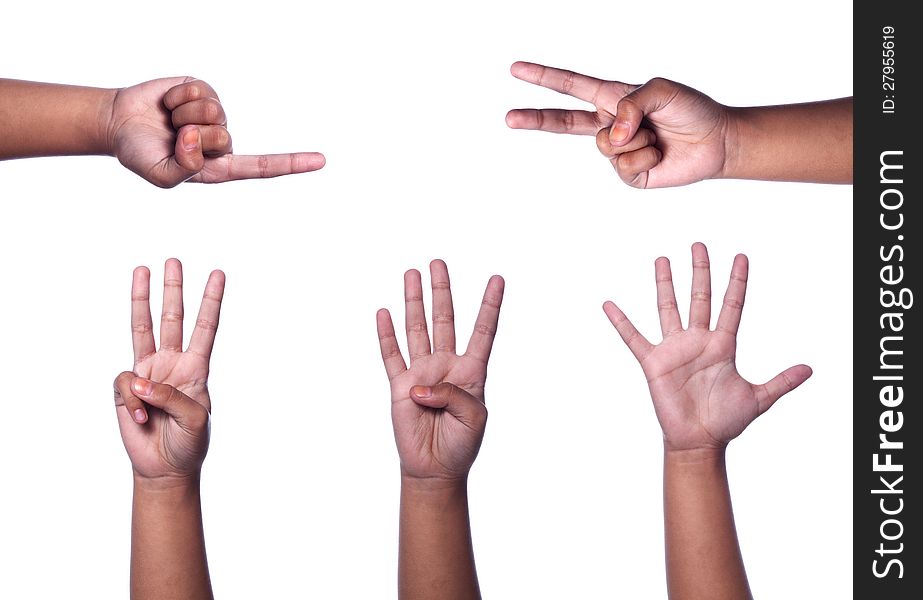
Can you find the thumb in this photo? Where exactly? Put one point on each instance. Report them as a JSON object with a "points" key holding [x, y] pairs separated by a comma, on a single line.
{"points": [[781, 384], [454, 400], [650, 97], [187, 413], [187, 159]]}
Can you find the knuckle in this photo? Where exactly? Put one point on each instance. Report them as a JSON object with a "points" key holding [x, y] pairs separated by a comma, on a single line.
{"points": [[171, 316], [416, 328], [733, 303], [485, 329], [491, 301], [206, 324], [142, 327], [212, 110], [567, 83]]}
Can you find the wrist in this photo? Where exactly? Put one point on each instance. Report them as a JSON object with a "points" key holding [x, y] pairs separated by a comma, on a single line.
{"points": [[734, 133], [166, 484], [694, 456], [104, 137], [433, 485]]}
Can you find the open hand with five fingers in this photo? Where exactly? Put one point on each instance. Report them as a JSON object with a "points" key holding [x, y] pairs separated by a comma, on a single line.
{"points": [[163, 404], [700, 399], [437, 404], [174, 129]]}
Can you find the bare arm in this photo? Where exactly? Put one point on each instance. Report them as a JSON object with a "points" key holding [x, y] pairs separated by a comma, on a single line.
{"points": [[167, 541], [43, 119], [436, 556], [702, 554], [797, 142]]}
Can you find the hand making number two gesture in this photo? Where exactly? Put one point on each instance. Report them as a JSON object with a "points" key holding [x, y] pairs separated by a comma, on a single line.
{"points": [[163, 405], [663, 133], [658, 134], [700, 399], [174, 129], [437, 405]]}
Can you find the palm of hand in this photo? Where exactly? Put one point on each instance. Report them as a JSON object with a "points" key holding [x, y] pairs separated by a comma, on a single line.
{"points": [[141, 133], [163, 447], [432, 441], [700, 399]]}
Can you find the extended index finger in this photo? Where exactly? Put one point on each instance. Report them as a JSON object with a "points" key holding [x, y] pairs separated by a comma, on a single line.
{"points": [[560, 80], [232, 167]]}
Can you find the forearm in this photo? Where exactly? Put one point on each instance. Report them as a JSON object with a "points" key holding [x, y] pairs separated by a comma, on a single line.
{"points": [[810, 142], [436, 557], [43, 119], [167, 542], [702, 553]]}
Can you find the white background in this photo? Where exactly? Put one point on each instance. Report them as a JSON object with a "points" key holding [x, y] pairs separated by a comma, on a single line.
{"points": [[407, 101]]}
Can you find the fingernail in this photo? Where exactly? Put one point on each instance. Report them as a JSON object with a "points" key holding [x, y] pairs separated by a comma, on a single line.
{"points": [[191, 139], [143, 386], [139, 415], [619, 131], [422, 391]]}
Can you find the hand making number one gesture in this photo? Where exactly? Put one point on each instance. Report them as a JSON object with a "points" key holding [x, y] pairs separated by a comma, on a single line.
{"points": [[437, 404], [700, 399], [175, 129]]}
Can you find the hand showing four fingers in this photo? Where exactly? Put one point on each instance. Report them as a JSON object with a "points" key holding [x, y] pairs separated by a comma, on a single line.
{"points": [[700, 399], [437, 404], [659, 134], [163, 405], [174, 129]]}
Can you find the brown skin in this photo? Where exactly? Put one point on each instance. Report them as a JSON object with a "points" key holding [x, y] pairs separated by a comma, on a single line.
{"points": [[702, 403], [167, 130], [664, 133], [438, 413], [163, 411]]}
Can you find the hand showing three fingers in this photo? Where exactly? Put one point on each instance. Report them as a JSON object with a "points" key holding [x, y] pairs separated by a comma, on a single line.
{"points": [[174, 129], [659, 134], [163, 405], [700, 399], [437, 404]]}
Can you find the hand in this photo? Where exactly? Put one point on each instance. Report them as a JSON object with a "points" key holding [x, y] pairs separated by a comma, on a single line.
{"points": [[437, 405], [163, 406], [700, 399], [174, 129], [659, 134]]}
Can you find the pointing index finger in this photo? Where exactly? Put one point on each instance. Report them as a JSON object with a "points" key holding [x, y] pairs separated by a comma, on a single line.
{"points": [[232, 167]]}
